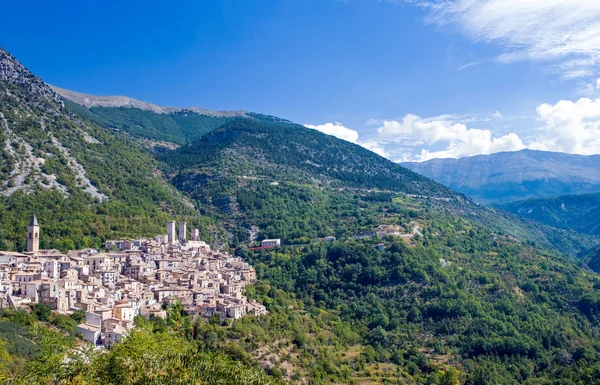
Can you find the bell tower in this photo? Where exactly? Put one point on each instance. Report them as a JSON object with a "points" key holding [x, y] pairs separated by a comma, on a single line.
{"points": [[33, 236]]}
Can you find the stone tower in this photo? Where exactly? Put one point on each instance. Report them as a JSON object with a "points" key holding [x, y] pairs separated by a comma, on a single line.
{"points": [[33, 236], [171, 232], [182, 231]]}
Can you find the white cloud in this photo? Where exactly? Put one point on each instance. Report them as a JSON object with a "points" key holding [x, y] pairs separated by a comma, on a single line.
{"points": [[572, 127], [469, 65], [336, 129], [376, 147], [456, 139], [566, 126], [482, 143], [566, 32]]}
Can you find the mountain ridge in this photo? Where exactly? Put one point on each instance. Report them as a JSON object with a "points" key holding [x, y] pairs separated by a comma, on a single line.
{"points": [[80, 154], [91, 101], [233, 168], [86, 183], [150, 121], [510, 176]]}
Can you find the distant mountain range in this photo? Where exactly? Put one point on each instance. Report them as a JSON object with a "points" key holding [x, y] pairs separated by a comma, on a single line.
{"points": [[241, 174], [510, 176]]}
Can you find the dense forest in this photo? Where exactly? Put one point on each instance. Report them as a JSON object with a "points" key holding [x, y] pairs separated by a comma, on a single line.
{"points": [[576, 212], [451, 304]]}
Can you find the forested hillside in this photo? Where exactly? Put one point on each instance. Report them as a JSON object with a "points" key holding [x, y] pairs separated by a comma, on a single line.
{"points": [[574, 212], [451, 295], [84, 182], [178, 127], [149, 121], [296, 183]]}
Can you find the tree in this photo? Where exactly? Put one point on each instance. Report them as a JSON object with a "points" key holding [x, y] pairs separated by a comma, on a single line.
{"points": [[42, 312], [449, 377], [379, 337]]}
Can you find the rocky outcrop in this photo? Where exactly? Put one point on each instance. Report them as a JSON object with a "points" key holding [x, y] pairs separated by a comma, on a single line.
{"points": [[12, 71], [35, 131]]}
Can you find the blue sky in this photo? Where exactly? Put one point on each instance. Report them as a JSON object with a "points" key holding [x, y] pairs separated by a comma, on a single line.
{"points": [[408, 79]]}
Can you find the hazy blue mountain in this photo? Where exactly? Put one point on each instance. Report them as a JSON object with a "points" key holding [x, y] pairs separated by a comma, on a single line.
{"points": [[511, 176]]}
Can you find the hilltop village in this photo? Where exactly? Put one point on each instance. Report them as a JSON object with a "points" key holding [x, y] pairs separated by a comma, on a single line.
{"points": [[135, 277]]}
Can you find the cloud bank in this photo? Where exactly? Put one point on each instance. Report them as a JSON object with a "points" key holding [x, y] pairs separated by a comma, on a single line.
{"points": [[566, 126], [572, 127], [566, 32], [338, 130], [457, 139]]}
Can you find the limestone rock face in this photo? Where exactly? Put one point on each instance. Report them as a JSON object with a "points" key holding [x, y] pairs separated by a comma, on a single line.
{"points": [[37, 132], [12, 71]]}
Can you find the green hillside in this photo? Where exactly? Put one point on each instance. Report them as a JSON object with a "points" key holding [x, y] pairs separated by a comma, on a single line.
{"points": [[296, 183], [575, 212], [177, 127], [84, 182]]}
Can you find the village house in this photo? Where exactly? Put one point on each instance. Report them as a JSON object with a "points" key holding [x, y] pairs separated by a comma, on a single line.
{"points": [[268, 243]]}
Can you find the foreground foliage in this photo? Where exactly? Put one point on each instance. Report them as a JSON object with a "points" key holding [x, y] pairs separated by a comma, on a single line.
{"points": [[143, 358]]}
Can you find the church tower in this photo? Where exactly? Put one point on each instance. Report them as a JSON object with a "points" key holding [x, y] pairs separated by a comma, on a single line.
{"points": [[33, 236]]}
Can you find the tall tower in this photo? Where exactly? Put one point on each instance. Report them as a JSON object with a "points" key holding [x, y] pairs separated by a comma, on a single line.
{"points": [[171, 232], [182, 231], [33, 236]]}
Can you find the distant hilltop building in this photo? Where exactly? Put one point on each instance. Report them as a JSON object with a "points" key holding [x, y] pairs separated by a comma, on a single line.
{"points": [[268, 243]]}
